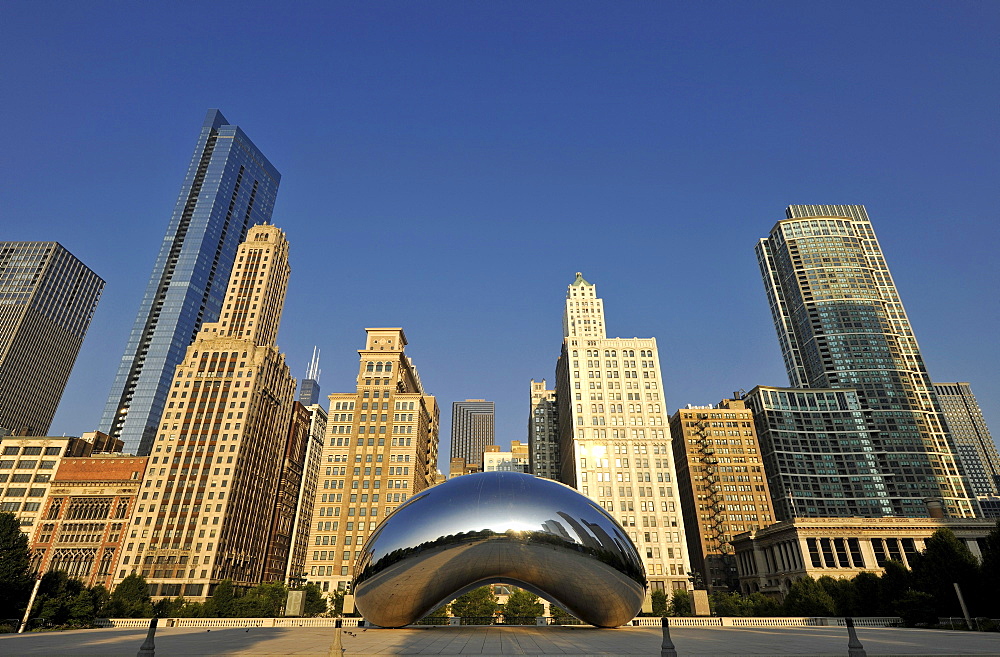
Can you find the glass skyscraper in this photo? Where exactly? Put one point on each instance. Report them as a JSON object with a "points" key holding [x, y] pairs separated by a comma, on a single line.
{"points": [[229, 187], [47, 298], [841, 325]]}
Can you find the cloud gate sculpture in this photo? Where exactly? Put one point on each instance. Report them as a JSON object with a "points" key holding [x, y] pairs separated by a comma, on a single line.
{"points": [[504, 527]]}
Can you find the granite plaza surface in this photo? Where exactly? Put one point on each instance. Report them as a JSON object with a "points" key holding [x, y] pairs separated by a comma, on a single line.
{"points": [[813, 641]]}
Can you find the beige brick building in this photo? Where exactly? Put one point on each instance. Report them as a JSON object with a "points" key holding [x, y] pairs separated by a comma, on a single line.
{"points": [[381, 448], [214, 471]]}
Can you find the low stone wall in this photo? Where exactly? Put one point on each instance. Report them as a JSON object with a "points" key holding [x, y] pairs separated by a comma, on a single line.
{"points": [[645, 621]]}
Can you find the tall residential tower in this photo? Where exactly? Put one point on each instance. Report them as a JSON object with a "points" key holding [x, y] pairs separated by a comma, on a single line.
{"points": [[841, 325], [974, 445], [229, 187], [614, 436], [47, 298]]}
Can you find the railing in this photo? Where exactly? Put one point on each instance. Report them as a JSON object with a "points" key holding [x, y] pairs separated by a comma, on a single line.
{"points": [[642, 621]]}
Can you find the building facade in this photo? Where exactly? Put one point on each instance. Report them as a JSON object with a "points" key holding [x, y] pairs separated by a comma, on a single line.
{"points": [[216, 465], [85, 517], [614, 436], [772, 558], [280, 548], [543, 431], [47, 298], [381, 448], [296, 573], [29, 463], [722, 485], [821, 456], [229, 187], [516, 460], [841, 325], [974, 446], [472, 429]]}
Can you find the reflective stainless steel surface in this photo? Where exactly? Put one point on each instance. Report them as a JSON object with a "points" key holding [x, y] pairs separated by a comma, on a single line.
{"points": [[499, 527]]}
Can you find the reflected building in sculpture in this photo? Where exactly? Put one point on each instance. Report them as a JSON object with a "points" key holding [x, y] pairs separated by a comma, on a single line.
{"points": [[499, 527], [381, 448], [614, 438]]}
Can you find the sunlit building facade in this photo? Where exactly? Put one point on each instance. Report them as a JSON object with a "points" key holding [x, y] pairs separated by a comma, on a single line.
{"points": [[841, 325], [381, 448], [615, 442], [205, 511], [229, 187]]}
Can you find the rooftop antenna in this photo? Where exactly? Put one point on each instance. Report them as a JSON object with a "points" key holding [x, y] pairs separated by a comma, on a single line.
{"points": [[313, 371]]}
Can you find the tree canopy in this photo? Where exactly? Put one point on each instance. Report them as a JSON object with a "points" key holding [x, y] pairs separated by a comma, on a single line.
{"points": [[16, 579]]}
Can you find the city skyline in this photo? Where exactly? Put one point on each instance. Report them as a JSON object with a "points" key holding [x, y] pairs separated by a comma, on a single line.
{"points": [[622, 134]]}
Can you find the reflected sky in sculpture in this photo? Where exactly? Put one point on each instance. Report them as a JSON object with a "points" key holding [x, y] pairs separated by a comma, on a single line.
{"points": [[499, 527]]}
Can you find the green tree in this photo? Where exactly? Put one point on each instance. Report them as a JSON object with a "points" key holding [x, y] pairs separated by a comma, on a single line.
{"points": [[916, 607], [315, 602], [222, 604], [730, 604], [170, 607], [16, 579], [989, 571], [895, 581], [808, 598], [337, 602], [763, 605], [521, 605], [262, 601], [944, 562], [842, 592], [130, 599], [660, 604], [560, 615], [680, 603], [477, 603], [866, 594]]}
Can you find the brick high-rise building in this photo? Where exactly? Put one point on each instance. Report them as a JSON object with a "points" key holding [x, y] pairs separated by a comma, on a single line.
{"points": [[722, 485], [841, 325], [47, 298], [216, 464], [381, 448], [229, 188], [614, 434]]}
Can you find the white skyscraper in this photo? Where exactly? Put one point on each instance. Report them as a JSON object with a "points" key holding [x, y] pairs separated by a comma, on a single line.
{"points": [[615, 437]]}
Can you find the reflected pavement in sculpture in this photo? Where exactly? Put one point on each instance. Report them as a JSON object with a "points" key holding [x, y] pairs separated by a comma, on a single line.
{"points": [[499, 527]]}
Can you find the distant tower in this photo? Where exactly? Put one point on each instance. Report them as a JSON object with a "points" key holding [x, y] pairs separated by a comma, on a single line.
{"points": [[229, 187], [47, 298], [974, 446], [472, 429], [309, 390]]}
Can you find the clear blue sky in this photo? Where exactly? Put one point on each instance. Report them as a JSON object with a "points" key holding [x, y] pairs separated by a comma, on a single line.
{"points": [[447, 167]]}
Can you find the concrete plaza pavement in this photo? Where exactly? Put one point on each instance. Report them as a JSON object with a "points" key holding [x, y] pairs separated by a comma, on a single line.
{"points": [[728, 642]]}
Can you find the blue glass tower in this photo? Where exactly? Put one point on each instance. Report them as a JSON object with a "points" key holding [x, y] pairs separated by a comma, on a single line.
{"points": [[229, 187]]}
